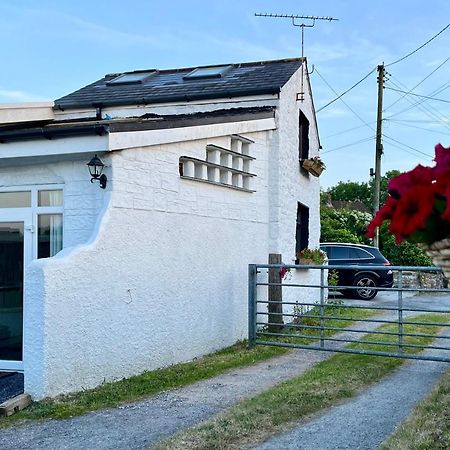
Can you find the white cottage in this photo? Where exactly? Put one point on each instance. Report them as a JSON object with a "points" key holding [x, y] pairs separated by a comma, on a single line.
{"points": [[202, 178]]}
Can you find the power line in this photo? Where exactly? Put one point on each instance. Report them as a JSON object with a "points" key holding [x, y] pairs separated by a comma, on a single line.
{"points": [[408, 146], [437, 91], [399, 122], [407, 151], [348, 90], [418, 48], [417, 95], [348, 145], [344, 102], [418, 84], [412, 120], [428, 110], [347, 130]]}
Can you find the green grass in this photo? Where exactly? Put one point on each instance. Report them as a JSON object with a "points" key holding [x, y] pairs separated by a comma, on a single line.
{"points": [[146, 384], [328, 383], [428, 427], [153, 382], [302, 322]]}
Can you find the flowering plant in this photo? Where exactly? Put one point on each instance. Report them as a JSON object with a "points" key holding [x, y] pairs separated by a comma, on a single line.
{"points": [[418, 205], [316, 256]]}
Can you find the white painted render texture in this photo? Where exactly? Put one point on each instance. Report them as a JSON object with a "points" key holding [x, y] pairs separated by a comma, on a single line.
{"points": [[154, 269]]}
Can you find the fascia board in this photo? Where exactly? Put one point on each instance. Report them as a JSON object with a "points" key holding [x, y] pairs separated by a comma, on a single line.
{"points": [[133, 139], [54, 147]]}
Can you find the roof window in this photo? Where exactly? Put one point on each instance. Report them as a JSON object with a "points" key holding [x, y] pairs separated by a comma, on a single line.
{"points": [[130, 78], [207, 72]]}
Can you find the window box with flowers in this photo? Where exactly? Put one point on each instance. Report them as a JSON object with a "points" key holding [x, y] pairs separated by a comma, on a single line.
{"points": [[418, 208], [315, 166], [311, 256]]}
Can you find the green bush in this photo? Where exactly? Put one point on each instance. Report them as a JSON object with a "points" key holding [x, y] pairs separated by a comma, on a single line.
{"points": [[343, 225], [404, 254]]}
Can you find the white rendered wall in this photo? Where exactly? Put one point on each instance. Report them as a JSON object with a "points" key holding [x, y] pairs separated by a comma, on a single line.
{"points": [[289, 186], [164, 281], [164, 278], [81, 203], [81, 210]]}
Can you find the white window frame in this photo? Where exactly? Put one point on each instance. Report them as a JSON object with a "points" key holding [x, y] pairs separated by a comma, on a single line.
{"points": [[34, 210]]}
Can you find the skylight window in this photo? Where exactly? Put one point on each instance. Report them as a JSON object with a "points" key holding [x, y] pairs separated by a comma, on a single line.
{"points": [[130, 78], [206, 72]]}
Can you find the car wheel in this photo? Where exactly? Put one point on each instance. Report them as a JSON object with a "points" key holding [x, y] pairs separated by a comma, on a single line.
{"points": [[365, 283]]}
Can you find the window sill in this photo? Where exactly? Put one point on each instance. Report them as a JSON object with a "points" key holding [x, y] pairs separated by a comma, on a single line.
{"points": [[229, 186]]}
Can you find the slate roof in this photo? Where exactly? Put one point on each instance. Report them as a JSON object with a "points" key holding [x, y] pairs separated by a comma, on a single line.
{"points": [[163, 86]]}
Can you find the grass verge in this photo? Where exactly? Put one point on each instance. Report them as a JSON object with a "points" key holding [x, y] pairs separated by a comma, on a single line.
{"points": [[326, 384], [153, 382], [303, 329], [428, 427], [146, 384]]}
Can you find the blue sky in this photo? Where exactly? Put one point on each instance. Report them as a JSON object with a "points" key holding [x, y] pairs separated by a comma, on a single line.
{"points": [[51, 48]]}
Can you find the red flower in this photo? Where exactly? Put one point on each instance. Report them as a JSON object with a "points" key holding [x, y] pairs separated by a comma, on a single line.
{"points": [[442, 187], [283, 272], [419, 206], [385, 213], [405, 181], [412, 211], [442, 158]]}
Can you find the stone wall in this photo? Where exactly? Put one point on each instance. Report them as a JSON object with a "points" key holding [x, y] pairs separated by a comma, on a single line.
{"points": [[426, 280]]}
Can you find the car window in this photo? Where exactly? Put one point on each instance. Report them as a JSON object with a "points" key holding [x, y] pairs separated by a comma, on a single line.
{"points": [[357, 253], [339, 253]]}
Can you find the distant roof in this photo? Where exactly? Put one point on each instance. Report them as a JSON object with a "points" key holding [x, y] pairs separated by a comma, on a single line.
{"points": [[194, 83], [355, 205]]}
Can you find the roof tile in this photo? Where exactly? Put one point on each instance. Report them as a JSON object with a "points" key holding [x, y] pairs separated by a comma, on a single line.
{"points": [[264, 77]]}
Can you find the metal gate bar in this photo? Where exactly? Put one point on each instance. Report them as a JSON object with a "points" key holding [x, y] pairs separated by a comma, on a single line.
{"points": [[260, 334]]}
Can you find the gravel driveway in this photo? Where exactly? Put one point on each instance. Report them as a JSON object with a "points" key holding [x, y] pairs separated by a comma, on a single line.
{"points": [[366, 421], [137, 425]]}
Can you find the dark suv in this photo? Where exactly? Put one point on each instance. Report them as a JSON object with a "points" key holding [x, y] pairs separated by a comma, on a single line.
{"points": [[367, 278]]}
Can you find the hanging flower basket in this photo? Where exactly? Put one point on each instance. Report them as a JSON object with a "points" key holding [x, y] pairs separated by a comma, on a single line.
{"points": [[314, 166], [418, 209]]}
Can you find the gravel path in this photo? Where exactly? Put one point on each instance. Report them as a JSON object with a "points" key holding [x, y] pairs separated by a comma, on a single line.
{"points": [[137, 425], [365, 422], [10, 386]]}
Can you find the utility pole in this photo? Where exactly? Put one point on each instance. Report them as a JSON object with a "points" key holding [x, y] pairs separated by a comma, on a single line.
{"points": [[378, 149]]}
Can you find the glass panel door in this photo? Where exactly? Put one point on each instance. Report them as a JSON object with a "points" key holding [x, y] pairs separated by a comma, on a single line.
{"points": [[11, 290]]}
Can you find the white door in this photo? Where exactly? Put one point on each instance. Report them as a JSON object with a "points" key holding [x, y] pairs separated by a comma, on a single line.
{"points": [[15, 255]]}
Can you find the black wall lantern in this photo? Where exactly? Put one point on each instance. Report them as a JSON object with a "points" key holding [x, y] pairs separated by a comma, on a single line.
{"points": [[95, 169]]}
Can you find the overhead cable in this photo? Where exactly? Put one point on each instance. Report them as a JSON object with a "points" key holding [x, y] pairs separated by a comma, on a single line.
{"points": [[408, 146], [407, 151], [348, 90], [345, 103], [418, 48], [349, 145], [400, 122], [418, 95], [426, 109], [419, 83]]}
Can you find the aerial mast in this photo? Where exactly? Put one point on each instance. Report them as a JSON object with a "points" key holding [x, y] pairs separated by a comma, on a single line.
{"points": [[295, 22]]}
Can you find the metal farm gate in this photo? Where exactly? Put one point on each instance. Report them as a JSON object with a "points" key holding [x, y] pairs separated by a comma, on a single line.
{"points": [[409, 320]]}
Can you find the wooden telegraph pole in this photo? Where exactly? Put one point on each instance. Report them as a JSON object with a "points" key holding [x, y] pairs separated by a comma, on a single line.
{"points": [[378, 149]]}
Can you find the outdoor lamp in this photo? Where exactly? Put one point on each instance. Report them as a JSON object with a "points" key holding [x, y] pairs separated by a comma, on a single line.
{"points": [[95, 169]]}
